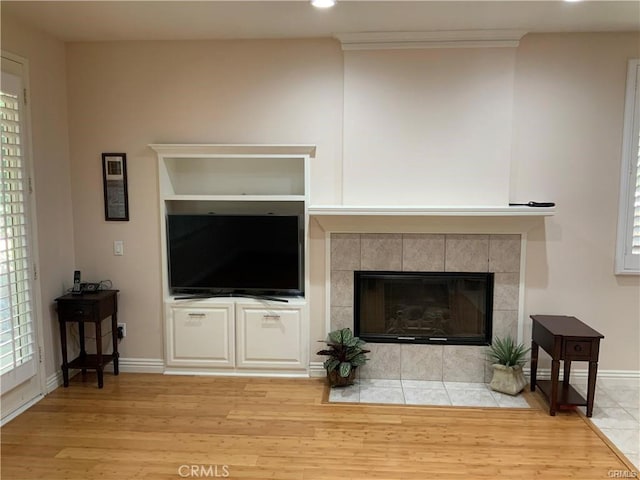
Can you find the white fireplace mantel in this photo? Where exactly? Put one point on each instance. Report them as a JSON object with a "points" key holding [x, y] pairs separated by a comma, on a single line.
{"points": [[428, 219], [457, 211]]}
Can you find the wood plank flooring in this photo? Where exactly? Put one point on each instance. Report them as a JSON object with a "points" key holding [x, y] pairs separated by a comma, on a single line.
{"points": [[145, 426]]}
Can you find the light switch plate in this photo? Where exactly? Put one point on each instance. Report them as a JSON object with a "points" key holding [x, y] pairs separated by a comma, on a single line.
{"points": [[118, 247]]}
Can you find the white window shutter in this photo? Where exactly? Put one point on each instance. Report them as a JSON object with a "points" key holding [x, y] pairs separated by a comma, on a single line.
{"points": [[627, 260], [17, 336]]}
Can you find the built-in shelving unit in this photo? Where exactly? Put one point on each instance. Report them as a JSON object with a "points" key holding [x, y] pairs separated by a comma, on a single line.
{"points": [[234, 335]]}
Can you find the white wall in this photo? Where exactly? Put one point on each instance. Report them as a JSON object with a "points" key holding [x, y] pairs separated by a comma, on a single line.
{"points": [[52, 182], [568, 102], [428, 126], [126, 95], [567, 148]]}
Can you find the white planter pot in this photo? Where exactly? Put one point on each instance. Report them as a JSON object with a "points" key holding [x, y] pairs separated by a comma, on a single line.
{"points": [[508, 380]]}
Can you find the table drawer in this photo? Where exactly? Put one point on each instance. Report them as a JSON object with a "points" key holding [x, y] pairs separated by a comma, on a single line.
{"points": [[576, 349], [76, 311]]}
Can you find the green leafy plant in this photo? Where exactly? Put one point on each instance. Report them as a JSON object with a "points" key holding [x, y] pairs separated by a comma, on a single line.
{"points": [[345, 352], [504, 351]]}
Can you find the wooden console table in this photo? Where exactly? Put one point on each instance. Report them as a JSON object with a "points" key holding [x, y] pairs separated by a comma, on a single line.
{"points": [[569, 339], [89, 307]]}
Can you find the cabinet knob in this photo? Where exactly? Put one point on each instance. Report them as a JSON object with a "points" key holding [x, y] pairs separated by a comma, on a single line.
{"points": [[79, 312], [578, 348]]}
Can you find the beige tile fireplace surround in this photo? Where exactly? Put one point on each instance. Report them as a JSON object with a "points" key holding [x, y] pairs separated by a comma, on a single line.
{"points": [[427, 252]]}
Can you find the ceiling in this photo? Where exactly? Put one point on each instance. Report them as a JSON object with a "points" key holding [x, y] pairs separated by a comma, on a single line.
{"points": [[192, 20]]}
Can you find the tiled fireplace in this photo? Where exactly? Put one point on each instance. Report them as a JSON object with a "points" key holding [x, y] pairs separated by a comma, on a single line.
{"points": [[427, 253]]}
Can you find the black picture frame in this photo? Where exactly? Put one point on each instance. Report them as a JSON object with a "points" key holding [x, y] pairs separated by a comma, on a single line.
{"points": [[114, 181]]}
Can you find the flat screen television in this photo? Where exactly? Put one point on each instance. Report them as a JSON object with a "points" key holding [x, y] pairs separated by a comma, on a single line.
{"points": [[227, 254]]}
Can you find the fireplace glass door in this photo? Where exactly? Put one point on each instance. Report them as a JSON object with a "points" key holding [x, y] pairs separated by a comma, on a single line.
{"points": [[424, 307]]}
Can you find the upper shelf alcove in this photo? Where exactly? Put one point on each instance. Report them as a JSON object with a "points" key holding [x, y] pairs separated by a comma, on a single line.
{"points": [[233, 172]]}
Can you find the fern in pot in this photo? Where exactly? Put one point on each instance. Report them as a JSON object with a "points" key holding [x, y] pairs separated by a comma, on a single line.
{"points": [[508, 359], [346, 354]]}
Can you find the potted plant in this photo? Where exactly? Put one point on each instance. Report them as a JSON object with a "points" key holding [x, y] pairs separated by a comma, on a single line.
{"points": [[345, 354], [508, 359]]}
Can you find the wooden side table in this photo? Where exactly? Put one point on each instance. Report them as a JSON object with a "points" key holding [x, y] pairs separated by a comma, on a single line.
{"points": [[569, 339], [89, 307]]}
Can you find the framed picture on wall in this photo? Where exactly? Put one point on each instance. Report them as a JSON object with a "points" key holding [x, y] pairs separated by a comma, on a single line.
{"points": [[114, 179]]}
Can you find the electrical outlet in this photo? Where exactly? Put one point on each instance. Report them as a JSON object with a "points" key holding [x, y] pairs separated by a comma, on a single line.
{"points": [[122, 330]]}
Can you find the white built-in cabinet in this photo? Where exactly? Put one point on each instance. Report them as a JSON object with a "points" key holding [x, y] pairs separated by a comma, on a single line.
{"points": [[234, 335], [200, 335], [245, 333], [271, 337]]}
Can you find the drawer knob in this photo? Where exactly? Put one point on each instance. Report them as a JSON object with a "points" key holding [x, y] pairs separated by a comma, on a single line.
{"points": [[79, 312], [578, 348]]}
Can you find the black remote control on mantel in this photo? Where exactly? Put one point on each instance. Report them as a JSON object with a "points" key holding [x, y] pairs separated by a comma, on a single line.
{"points": [[533, 204]]}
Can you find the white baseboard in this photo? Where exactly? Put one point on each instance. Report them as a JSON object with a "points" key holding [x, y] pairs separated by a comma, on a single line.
{"points": [[545, 373], [234, 373], [141, 365], [156, 365], [128, 365], [53, 382], [611, 373], [316, 370], [57, 380]]}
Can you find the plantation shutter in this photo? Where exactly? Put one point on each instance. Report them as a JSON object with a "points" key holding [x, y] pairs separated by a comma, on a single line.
{"points": [[17, 336], [635, 239], [628, 243]]}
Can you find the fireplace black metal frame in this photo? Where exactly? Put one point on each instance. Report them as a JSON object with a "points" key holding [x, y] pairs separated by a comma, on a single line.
{"points": [[392, 338]]}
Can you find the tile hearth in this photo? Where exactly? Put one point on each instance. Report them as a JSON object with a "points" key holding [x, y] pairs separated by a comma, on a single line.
{"points": [[421, 392]]}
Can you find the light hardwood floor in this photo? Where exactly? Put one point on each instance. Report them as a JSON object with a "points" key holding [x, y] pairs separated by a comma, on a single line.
{"points": [[144, 426]]}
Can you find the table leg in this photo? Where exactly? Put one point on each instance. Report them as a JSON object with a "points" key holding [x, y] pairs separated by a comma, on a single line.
{"points": [[114, 338], [99, 353], [534, 364], [83, 351], [63, 343], [591, 387], [565, 381], [555, 373]]}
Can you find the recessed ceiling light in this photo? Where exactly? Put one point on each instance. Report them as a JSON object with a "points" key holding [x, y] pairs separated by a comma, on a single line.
{"points": [[323, 3]]}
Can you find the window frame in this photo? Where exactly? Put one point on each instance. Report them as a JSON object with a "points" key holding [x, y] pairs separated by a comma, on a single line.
{"points": [[37, 384], [627, 263]]}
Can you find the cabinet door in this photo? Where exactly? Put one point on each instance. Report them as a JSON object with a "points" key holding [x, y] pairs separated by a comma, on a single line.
{"points": [[201, 336], [270, 338]]}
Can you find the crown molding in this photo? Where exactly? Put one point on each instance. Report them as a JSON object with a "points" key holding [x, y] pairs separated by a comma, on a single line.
{"points": [[442, 39], [232, 149]]}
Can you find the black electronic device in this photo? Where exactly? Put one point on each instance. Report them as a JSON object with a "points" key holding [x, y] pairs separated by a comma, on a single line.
{"points": [[87, 287], [533, 204], [77, 287], [80, 287], [235, 254]]}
